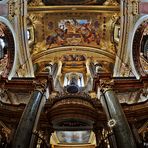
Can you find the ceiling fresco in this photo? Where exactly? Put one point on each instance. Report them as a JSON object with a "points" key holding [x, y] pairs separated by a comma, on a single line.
{"points": [[80, 29], [72, 39], [74, 32]]}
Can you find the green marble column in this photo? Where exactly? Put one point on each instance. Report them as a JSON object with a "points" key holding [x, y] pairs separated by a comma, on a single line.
{"points": [[113, 109], [24, 131]]}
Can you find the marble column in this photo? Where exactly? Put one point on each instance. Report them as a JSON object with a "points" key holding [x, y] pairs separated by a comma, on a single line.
{"points": [[25, 127], [116, 117], [34, 138]]}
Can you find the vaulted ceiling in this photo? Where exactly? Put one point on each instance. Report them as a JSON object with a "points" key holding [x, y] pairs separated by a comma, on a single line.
{"points": [[67, 33]]}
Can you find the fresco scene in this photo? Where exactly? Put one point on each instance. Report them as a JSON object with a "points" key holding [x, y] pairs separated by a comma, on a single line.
{"points": [[73, 32], [83, 30]]}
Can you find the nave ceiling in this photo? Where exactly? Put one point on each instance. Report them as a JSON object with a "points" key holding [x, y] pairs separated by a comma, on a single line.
{"points": [[72, 32]]}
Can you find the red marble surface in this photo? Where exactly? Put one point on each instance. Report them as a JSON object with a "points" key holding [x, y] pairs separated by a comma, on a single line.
{"points": [[3, 10], [143, 7]]}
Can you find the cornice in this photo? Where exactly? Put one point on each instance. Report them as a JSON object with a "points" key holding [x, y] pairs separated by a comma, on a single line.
{"points": [[73, 9], [26, 84], [120, 84]]}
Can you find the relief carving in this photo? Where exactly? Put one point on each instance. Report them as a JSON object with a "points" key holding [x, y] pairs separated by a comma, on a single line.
{"points": [[73, 101], [137, 96], [36, 3], [135, 7], [5, 135], [3, 96], [14, 8], [111, 3], [22, 72], [8, 97], [40, 85]]}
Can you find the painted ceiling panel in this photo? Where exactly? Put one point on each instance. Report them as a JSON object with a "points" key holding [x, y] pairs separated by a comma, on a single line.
{"points": [[73, 29]]}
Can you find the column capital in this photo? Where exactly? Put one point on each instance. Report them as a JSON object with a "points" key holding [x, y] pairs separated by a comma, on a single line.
{"points": [[106, 84], [43, 81], [40, 85]]}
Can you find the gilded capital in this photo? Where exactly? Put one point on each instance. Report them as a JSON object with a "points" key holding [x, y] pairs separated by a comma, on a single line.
{"points": [[40, 85], [106, 84]]}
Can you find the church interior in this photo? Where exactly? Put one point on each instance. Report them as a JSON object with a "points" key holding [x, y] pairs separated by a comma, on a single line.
{"points": [[74, 73]]}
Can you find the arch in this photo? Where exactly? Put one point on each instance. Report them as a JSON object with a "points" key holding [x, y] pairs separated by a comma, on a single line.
{"points": [[8, 24], [74, 48], [138, 23]]}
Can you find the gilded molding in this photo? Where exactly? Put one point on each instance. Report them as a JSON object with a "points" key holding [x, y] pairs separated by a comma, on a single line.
{"points": [[72, 9], [36, 3], [135, 7], [14, 7], [111, 3]]}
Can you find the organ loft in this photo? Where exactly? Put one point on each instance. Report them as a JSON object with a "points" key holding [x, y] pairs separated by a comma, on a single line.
{"points": [[73, 73]]}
